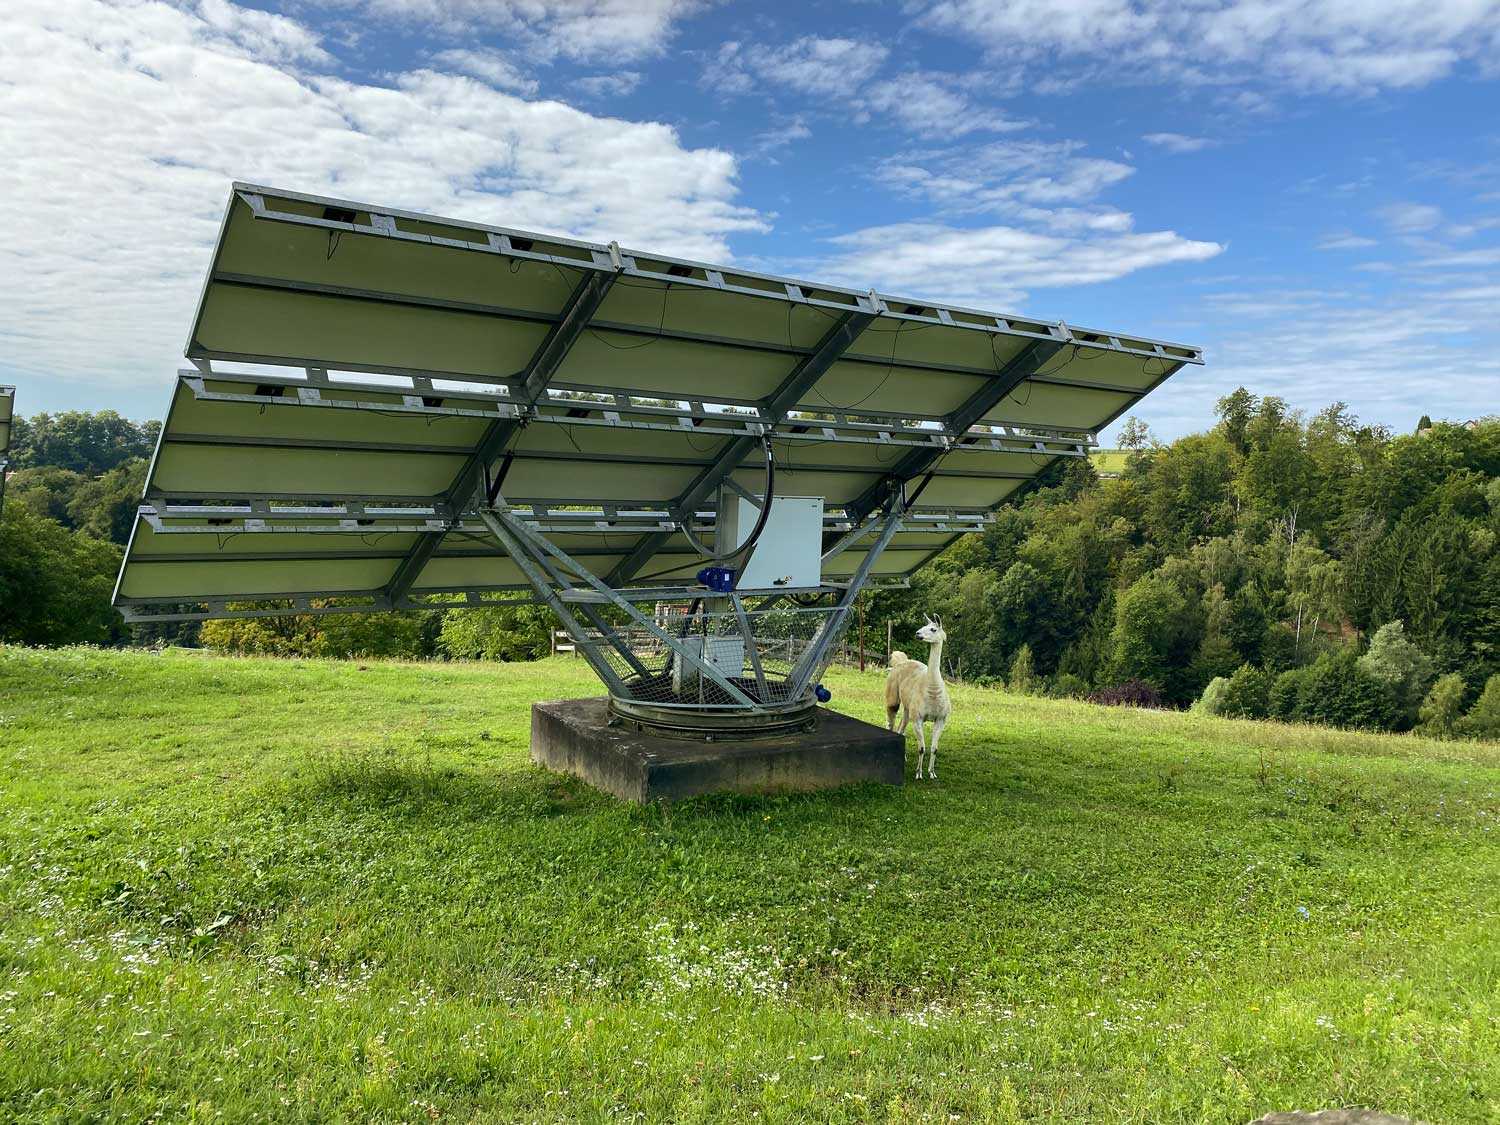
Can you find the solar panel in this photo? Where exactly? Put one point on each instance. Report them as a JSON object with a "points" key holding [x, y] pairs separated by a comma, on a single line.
{"points": [[361, 373], [7, 412]]}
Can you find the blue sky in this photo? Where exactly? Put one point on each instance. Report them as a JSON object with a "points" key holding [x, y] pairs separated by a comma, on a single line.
{"points": [[1308, 189]]}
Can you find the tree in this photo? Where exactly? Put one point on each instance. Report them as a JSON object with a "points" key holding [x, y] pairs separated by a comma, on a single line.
{"points": [[84, 442], [1314, 587], [1483, 719], [55, 586], [106, 507], [1443, 706], [513, 632], [1337, 692], [1135, 434], [1247, 693], [1401, 666], [1235, 411], [1285, 699], [1189, 492], [1023, 679], [335, 635], [47, 491], [1211, 702], [1149, 633]]}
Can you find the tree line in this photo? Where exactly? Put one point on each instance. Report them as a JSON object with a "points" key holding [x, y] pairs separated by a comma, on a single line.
{"points": [[1308, 568], [1267, 553]]}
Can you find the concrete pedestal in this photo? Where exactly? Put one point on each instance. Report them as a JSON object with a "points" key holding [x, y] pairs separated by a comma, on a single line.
{"points": [[574, 736]]}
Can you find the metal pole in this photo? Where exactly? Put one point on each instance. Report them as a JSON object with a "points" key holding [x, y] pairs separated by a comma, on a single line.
{"points": [[861, 604], [833, 628], [750, 648], [539, 583], [502, 516]]}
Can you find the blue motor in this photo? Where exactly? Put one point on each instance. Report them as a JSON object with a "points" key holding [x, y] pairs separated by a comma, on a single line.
{"points": [[717, 578], [822, 693]]}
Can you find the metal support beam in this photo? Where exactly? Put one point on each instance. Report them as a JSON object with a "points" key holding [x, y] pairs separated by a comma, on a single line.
{"points": [[543, 586], [582, 305], [920, 461], [500, 517], [806, 373], [833, 628], [751, 650]]}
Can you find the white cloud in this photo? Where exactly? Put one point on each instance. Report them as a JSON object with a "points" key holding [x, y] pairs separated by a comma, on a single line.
{"points": [[831, 67], [1344, 240], [1308, 45], [615, 30], [847, 71], [1392, 359], [995, 266], [1411, 218], [927, 102], [262, 34], [1056, 232], [1178, 142], [772, 141], [489, 66], [610, 85], [131, 122], [1037, 180]]}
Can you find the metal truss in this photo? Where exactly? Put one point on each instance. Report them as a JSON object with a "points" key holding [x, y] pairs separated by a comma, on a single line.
{"points": [[342, 216], [589, 408], [565, 585]]}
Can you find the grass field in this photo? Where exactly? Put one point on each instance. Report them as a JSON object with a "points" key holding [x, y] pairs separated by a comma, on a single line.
{"points": [[310, 891], [1109, 460]]}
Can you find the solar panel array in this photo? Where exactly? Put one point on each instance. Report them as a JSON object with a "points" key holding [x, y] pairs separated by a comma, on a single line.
{"points": [[360, 372], [7, 413]]}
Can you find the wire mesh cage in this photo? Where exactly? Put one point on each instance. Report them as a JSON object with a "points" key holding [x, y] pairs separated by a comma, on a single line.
{"points": [[722, 658]]}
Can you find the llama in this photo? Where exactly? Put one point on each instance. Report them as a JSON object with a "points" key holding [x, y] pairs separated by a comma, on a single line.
{"points": [[918, 691]]}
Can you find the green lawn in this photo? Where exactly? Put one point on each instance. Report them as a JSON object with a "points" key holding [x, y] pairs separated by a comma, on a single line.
{"points": [[301, 890], [1109, 460]]}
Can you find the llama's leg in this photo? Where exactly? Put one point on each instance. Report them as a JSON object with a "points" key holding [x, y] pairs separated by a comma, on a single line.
{"points": [[890, 716], [921, 748], [937, 730], [905, 720]]}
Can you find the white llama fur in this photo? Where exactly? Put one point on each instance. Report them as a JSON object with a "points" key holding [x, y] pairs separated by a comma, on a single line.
{"points": [[918, 692]]}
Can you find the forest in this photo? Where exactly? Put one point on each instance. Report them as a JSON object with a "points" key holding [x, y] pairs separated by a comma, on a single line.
{"points": [[1312, 569]]}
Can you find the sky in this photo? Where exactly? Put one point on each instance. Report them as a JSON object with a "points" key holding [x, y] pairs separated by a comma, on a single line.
{"points": [[1307, 189]]}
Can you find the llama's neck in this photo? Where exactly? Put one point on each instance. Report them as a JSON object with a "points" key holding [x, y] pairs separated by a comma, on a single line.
{"points": [[935, 664]]}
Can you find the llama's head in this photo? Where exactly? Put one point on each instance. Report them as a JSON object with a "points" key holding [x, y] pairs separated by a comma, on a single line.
{"points": [[932, 632]]}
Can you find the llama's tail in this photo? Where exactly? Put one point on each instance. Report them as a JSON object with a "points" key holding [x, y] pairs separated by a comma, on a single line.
{"points": [[898, 657]]}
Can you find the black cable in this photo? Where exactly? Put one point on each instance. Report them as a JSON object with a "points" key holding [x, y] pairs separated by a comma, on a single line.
{"points": [[661, 325], [760, 523], [891, 370]]}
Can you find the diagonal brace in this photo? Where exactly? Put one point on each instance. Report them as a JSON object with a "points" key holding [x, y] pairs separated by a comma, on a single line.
{"points": [[794, 387], [499, 434], [981, 402]]}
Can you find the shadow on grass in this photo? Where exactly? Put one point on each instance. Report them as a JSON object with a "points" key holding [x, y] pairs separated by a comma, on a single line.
{"points": [[404, 784]]}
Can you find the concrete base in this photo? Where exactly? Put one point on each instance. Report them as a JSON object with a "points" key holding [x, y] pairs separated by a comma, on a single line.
{"points": [[574, 736]]}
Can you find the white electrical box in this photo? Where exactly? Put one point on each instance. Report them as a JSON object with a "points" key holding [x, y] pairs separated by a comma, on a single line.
{"points": [[723, 654], [789, 551]]}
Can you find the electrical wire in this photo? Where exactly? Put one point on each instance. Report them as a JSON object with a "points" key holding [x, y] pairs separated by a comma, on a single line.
{"points": [[891, 370], [760, 523]]}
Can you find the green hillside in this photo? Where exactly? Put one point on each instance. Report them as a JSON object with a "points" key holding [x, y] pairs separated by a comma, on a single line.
{"points": [[1109, 462], [303, 890]]}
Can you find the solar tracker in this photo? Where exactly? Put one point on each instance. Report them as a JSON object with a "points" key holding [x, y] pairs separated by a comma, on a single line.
{"points": [[388, 410], [7, 412]]}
